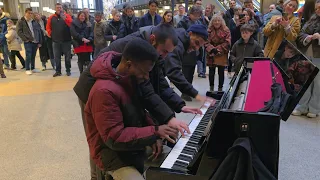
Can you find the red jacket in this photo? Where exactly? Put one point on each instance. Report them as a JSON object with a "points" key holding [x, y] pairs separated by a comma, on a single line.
{"points": [[119, 128]]}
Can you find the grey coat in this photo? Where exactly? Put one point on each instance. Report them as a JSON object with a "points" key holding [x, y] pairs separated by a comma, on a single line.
{"points": [[24, 31], [240, 50], [310, 29]]}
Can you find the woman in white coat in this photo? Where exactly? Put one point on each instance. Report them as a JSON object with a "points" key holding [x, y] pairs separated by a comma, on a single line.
{"points": [[14, 45]]}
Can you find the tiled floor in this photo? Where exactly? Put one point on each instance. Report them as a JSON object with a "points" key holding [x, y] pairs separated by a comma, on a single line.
{"points": [[42, 135]]}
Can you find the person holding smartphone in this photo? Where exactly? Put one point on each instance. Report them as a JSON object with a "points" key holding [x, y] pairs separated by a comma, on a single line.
{"points": [[280, 27]]}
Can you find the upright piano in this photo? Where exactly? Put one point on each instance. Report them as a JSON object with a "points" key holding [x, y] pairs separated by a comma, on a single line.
{"points": [[235, 113]]}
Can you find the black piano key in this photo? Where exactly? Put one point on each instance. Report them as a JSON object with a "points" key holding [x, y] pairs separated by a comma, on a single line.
{"points": [[195, 138], [189, 152], [192, 144], [175, 167], [181, 164], [185, 158]]}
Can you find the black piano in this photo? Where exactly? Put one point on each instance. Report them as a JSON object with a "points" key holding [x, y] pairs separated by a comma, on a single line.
{"points": [[236, 113]]}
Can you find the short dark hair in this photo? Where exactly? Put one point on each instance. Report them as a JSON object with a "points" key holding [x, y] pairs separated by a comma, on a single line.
{"points": [[139, 50], [195, 10], [153, 1], [194, 1], [98, 14], [247, 1], [163, 32], [247, 27], [58, 4], [28, 10], [128, 6]]}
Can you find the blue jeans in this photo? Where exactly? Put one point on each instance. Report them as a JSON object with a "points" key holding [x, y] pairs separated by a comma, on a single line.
{"points": [[6, 54], [31, 51], [201, 62], [58, 49]]}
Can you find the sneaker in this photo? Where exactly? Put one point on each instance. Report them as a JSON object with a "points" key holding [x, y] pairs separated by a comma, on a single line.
{"points": [[28, 72], [219, 89], [23, 67], [296, 113], [57, 74], [3, 76], [201, 76], [186, 97], [211, 88], [13, 69], [6, 67], [311, 115], [43, 68], [68, 73], [35, 71]]}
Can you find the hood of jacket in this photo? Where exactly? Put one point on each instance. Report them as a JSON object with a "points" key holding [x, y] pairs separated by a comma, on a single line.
{"points": [[104, 67], [183, 37], [145, 32]]}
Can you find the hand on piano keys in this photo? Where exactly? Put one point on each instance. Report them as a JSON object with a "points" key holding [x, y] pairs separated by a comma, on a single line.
{"points": [[205, 99], [192, 110], [167, 132], [179, 125]]}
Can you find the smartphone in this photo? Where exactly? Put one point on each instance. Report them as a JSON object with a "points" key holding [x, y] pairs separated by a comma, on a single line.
{"points": [[241, 16], [285, 15]]}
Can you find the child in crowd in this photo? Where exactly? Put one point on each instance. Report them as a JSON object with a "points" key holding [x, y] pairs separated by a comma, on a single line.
{"points": [[246, 46]]}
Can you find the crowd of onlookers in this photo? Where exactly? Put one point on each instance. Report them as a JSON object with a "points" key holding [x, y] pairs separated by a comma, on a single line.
{"points": [[241, 31]]}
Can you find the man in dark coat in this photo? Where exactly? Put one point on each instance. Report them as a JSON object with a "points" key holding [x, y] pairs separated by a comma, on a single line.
{"points": [[151, 18], [156, 94], [184, 57]]}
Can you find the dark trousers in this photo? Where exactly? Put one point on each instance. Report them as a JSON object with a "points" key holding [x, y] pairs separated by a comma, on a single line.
{"points": [[4, 50], [58, 49], [83, 60], [229, 65], [188, 71], [1, 67], [13, 55], [212, 71], [93, 167], [31, 50]]}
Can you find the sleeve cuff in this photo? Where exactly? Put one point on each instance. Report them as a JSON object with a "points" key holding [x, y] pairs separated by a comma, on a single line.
{"points": [[306, 41]]}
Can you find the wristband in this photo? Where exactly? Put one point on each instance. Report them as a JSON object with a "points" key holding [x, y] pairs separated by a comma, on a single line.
{"points": [[156, 128]]}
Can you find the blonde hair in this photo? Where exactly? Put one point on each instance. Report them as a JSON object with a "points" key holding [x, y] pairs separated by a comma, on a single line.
{"points": [[218, 16], [9, 20], [288, 1]]}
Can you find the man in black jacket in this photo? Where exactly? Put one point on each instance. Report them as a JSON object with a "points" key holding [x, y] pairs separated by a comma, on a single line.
{"points": [[184, 57], [159, 98]]}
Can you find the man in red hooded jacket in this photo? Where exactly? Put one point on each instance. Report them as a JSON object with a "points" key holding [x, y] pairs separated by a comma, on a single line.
{"points": [[119, 128]]}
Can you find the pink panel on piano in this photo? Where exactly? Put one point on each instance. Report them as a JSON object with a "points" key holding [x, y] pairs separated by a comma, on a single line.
{"points": [[259, 87]]}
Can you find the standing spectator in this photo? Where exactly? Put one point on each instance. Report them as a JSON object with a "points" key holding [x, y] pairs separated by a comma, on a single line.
{"points": [[256, 15], [2, 75], [151, 17], [3, 43], [246, 46], [217, 47], [250, 20], [277, 11], [14, 45], [308, 10], [229, 14], [89, 16], [99, 31], [30, 33], [271, 8], [208, 13], [113, 28], [265, 17], [130, 24], [43, 50], [281, 27], [61, 38], [82, 33], [69, 11], [193, 17], [310, 37], [167, 18], [177, 18]]}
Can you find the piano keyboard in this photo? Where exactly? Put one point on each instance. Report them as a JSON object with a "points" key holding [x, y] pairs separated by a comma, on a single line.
{"points": [[187, 147]]}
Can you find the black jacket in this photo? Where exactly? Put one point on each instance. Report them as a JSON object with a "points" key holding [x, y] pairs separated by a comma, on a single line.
{"points": [[25, 34], [81, 30], [242, 163], [177, 58], [59, 29], [129, 26], [156, 94], [113, 29]]}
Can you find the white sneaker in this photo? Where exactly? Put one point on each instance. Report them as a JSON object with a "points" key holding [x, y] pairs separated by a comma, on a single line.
{"points": [[29, 72], [43, 68], [35, 71], [311, 115], [296, 113]]}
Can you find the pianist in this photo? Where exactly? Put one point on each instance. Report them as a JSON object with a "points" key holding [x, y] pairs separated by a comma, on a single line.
{"points": [[118, 126]]}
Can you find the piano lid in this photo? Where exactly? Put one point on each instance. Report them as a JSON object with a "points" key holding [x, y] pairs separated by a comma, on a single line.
{"points": [[297, 71]]}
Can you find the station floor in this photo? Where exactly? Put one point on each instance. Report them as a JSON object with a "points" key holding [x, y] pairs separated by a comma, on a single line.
{"points": [[42, 136]]}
